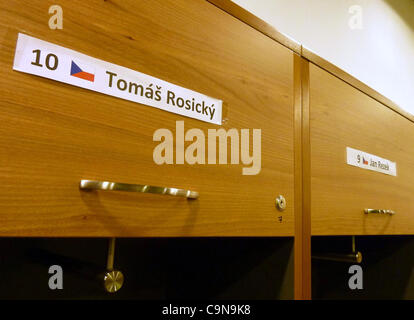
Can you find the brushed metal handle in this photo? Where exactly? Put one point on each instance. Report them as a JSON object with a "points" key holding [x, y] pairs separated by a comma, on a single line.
{"points": [[354, 257], [116, 186], [113, 280], [380, 211]]}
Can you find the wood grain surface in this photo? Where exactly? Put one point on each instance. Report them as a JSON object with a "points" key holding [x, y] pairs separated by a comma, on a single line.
{"points": [[255, 22], [53, 134], [302, 181], [354, 82], [342, 116]]}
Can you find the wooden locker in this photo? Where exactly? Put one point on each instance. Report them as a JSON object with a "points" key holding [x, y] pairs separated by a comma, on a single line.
{"points": [[52, 135], [341, 116]]}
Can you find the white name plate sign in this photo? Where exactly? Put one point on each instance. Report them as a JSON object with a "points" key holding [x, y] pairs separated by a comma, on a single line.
{"points": [[368, 161], [51, 61]]}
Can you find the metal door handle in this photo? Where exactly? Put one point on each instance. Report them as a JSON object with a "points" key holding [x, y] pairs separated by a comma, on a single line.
{"points": [[354, 257], [380, 211], [113, 280], [115, 186]]}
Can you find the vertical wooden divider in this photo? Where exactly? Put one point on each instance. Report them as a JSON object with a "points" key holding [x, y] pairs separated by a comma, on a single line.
{"points": [[302, 246]]}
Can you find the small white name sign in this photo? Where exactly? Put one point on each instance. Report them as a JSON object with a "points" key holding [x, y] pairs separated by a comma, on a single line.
{"points": [[51, 61], [368, 161]]}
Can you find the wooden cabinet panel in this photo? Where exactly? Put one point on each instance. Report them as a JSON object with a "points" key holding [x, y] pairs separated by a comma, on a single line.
{"points": [[52, 135], [342, 116]]}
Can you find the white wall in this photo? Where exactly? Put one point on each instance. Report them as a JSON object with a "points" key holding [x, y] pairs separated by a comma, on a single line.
{"points": [[381, 54]]}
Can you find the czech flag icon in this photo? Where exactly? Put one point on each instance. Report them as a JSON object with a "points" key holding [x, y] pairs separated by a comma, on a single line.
{"points": [[76, 71]]}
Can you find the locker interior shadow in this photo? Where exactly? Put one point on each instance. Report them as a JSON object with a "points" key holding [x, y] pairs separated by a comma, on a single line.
{"points": [[154, 268], [230, 268], [388, 268]]}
